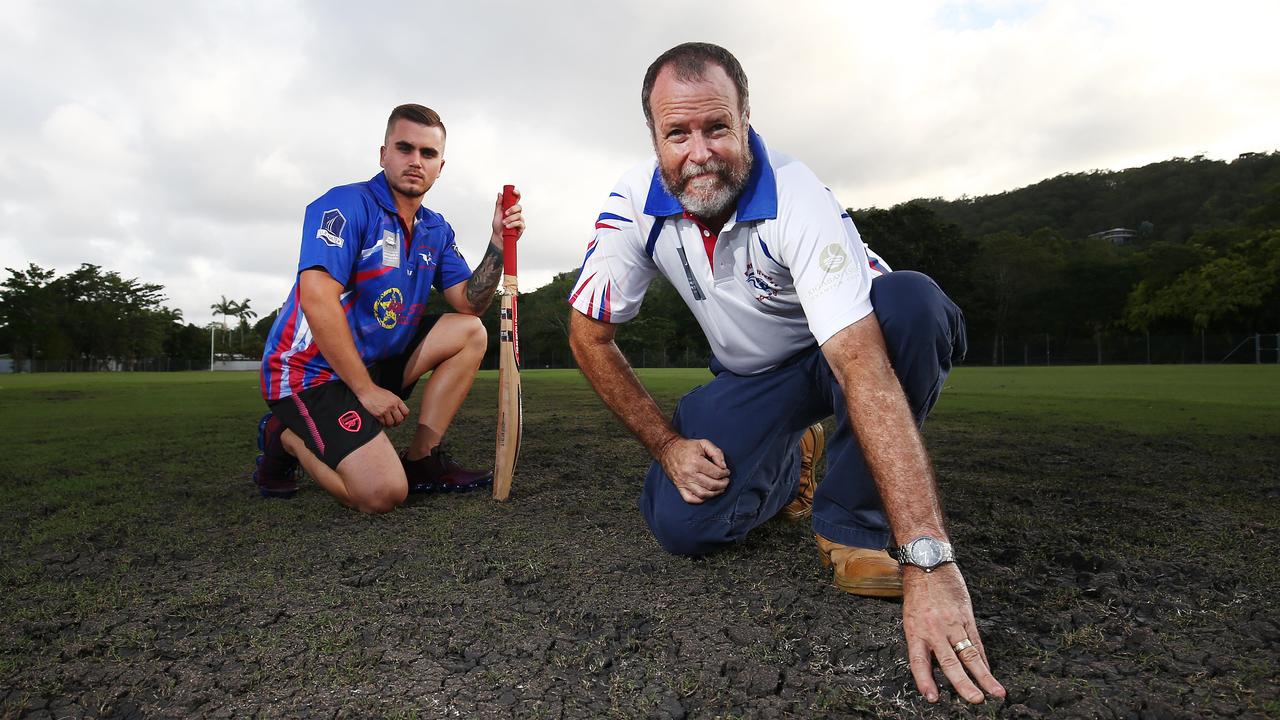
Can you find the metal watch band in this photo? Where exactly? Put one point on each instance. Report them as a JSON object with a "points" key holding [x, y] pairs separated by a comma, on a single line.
{"points": [[946, 553]]}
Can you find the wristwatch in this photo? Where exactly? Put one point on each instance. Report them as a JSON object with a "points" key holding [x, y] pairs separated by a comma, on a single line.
{"points": [[925, 553]]}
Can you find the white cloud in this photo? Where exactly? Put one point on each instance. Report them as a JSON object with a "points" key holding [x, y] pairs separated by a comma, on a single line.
{"points": [[179, 143]]}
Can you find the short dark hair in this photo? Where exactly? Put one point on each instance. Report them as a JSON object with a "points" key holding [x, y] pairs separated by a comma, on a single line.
{"points": [[689, 61], [415, 113]]}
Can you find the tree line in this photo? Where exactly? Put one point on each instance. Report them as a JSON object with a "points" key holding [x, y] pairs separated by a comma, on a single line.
{"points": [[1201, 254], [93, 319], [1031, 265]]}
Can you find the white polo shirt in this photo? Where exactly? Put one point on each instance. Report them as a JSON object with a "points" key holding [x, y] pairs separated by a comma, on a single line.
{"points": [[789, 266]]}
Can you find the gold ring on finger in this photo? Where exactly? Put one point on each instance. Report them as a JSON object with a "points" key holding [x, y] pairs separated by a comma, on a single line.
{"points": [[962, 645]]}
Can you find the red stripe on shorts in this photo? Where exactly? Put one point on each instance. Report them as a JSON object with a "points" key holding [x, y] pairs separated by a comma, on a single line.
{"points": [[311, 424]]}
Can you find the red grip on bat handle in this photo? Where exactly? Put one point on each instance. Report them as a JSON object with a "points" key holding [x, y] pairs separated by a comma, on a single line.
{"points": [[509, 235]]}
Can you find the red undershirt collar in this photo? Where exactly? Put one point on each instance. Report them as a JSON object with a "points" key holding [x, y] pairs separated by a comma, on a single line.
{"points": [[709, 234]]}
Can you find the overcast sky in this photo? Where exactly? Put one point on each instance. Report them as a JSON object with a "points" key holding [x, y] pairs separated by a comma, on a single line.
{"points": [[179, 142]]}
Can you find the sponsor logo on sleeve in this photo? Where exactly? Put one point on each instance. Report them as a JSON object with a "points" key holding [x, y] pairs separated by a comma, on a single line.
{"points": [[833, 258], [458, 251], [332, 223], [834, 261], [388, 307]]}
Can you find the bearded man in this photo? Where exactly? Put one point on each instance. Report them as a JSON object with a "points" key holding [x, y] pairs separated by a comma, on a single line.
{"points": [[804, 323]]}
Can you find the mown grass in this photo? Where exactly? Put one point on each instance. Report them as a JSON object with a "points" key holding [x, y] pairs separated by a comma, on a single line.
{"points": [[91, 446], [1184, 400], [78, 430]]}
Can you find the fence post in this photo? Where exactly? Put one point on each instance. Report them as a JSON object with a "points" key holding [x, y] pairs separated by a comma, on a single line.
{"points": [[1257, 348]]}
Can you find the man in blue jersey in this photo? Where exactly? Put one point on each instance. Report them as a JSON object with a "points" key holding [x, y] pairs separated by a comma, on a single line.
{"points": [[804, 323], [353, 337]]}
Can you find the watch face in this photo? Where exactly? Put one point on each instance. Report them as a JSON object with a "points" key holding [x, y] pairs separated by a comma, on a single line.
{"points": [[926, 552]]}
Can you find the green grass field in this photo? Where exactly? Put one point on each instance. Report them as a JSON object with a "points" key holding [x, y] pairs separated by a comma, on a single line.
{"points": [[119, 418], [1187, 400], [81, 429]]}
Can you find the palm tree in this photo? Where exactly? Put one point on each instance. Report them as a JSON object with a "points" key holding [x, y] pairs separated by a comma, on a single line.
{"points": [[243, 312], [225, 308], [244, 315]]}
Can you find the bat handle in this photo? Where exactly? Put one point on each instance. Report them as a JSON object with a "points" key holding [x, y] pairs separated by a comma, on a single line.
{"points": [[509, 235]]}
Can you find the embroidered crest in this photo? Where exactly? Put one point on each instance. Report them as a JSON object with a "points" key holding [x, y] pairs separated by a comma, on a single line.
{"points": [[332, 223]]}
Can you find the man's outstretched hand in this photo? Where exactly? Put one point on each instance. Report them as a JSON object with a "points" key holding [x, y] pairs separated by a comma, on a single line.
{"points": [[696, 467], [936, 616]]}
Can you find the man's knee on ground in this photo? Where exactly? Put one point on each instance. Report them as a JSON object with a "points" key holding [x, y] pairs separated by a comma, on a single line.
{"points": [[378, 497], [678, 536]]}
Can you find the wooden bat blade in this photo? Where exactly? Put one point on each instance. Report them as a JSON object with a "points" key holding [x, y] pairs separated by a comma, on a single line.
{"points": [[510, 406]]}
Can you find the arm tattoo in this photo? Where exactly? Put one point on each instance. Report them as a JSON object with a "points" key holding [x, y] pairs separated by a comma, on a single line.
{"points": [[484, 281]]}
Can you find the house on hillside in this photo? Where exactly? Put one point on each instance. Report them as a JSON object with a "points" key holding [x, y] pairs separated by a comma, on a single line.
{"points": [[1117, 236]]}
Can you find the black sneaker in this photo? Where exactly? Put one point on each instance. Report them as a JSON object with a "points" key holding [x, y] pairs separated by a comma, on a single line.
{"points": [[275, 471], [439, 471]]}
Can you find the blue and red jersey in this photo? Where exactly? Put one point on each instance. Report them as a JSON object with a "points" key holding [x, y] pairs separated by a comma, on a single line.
{"points": [[353, 233]]}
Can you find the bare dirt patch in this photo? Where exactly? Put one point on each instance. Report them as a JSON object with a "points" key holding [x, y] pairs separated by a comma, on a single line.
{"points": [[1112, 576]]}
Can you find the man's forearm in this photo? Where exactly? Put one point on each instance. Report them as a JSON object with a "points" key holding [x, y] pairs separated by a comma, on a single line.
{"points": [[332, 334], [484, 280], [887, 432], [896, 457], [617, 385]]}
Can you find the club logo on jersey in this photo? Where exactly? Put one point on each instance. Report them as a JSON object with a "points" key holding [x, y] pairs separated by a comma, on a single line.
{"points": [[761, 283], [427, 262], [388, 307], [833, 258], [332, 223], [350, 421]]}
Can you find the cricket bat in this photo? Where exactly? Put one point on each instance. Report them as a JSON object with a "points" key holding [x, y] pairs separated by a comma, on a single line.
{"points": [[510, 411]]}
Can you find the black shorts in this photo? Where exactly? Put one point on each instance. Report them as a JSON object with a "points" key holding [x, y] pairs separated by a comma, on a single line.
{"points": [[330, 419]]}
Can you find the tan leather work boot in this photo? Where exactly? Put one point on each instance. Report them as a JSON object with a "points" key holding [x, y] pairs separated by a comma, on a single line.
{"points": [[870, 573], [812, 444]]}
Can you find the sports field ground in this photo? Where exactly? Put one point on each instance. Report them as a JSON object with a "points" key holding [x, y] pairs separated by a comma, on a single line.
{"points": [[1117, 527]]}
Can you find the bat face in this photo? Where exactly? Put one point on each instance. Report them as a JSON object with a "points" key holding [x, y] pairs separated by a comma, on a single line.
{"points": [[510, 407]]}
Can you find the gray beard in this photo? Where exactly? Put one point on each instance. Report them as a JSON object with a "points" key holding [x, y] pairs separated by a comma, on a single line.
{"points": [[713, 203]]}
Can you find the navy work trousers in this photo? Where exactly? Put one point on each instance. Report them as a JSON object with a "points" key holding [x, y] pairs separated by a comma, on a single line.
{"points": [[757, 420]]}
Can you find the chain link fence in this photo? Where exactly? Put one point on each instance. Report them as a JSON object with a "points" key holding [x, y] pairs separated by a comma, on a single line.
{"points": [[1031, 349], [39, 365], [1110, 349]]}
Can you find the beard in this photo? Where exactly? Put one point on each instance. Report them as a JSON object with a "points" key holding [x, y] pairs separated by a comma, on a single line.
{"points": [[712, 196], [409, 187]]}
